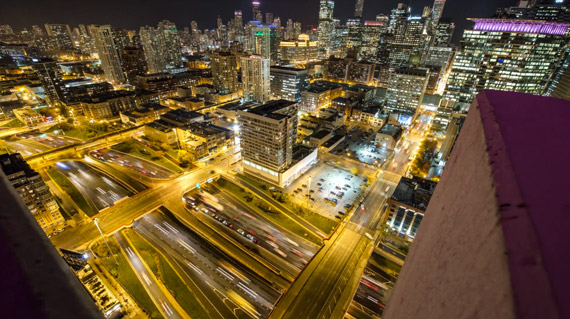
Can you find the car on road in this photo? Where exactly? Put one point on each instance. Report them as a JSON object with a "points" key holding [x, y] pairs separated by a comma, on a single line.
{"points": [[296, 252]]}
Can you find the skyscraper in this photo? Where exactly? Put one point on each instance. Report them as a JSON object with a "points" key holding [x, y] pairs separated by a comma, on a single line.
{"points": [[257, 16], [134, 63], [288, 83], [51, 80], [397, 15], [255, 78], [358, 7], [33, 191], [108, 52], [488, 59], [325, 28], [410, 39], [161, 47], [437, 10], [268, 18], [443, 32], [289, 31], [406, 88], [61, 33], [224, 72], [268, 133], [264, 41]]}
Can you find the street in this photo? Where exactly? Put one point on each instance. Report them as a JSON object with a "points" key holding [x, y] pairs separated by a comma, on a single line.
{"points": [[208, 265]]}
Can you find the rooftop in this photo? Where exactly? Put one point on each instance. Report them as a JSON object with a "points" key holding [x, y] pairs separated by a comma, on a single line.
{"points": [[287, 69], [414, 72], [99, 98], [333, 140], [161, 125], [391, 130], [522, 26], [14, 163], [414, 192], [320, 134], [271, 109]]}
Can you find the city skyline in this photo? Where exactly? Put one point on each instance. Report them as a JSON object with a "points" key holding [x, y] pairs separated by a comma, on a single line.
{"points": [[342, 160], [150, 13]]}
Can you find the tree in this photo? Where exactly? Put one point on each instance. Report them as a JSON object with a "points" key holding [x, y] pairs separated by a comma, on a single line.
{"points": [[354, 171]]}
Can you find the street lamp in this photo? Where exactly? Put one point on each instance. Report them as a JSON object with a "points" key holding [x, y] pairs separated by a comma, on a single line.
{"points": [[95, 220]]}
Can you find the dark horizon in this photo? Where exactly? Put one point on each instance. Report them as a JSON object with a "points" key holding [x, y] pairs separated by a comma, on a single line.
{"points": [[131, 14]]}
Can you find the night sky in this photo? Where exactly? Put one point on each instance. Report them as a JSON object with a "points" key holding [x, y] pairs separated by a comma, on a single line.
{"points": [[132, 14]]}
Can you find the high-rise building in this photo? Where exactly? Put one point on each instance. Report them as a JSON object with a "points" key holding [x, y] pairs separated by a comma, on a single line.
{"points": [[255, 78], [410, 39], [277, 24], [300, 51], [443, 32], [50, 75], [325, 28], [297, 26], [264, 41], [339, 40], [268, 18], [108, 52], [7, 29], [397, 15], [371, 35], [437, 10], [257, 16], [288, 83], [134, 63], [224, 72], [61, 33], [268, 134], [290, 32], [358, 7], [36, 30], [34, 192], [406, 89], [545, 10], [488, 59], [161, 47]]}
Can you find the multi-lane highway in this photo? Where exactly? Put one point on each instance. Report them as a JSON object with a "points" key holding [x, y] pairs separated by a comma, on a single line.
{"points": [[101, 191], [241, 291], [321, 291], [277, 245], [154, 288], [139, 165]]}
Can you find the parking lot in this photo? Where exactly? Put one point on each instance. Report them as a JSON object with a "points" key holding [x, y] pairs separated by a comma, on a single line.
{"points": [[359, 145], [332, 190]]}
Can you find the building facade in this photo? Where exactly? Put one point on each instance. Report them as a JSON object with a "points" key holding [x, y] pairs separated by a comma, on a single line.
{"points": [[406, 89], [255, 78], [506, 55], [33, 191], [108, 52], [288, 83], [225, 72]]}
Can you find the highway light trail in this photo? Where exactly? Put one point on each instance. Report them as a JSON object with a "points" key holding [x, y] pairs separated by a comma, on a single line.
{"points": [[248, 292]]}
